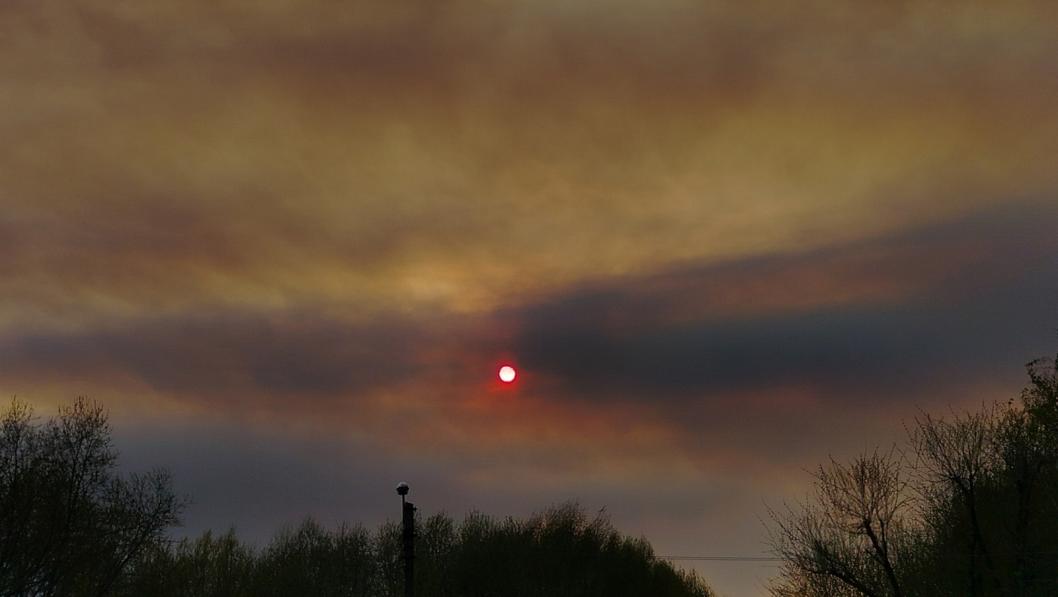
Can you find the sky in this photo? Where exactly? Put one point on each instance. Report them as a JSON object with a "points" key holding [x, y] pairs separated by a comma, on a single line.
{"points": [[288, 244]]}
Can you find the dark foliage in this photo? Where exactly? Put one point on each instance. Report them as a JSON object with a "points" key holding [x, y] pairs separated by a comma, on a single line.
{"points": [[560, 552], [971, 509], [69, 525]]}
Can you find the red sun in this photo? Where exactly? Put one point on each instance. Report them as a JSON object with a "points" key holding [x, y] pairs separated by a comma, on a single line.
{"points": [[507, 374]]}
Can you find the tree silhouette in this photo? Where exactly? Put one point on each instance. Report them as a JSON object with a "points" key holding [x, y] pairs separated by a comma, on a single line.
{"points": [[971, 508], [69, 524], [558, 552]]}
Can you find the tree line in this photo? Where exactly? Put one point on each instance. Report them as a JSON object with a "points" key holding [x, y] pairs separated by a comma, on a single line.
{"points": [[968, 506], [70, 525]]}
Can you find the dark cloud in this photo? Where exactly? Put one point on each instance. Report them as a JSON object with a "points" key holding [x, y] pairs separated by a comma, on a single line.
{"points": [[230, 354], [973, 316], [961, 309]]}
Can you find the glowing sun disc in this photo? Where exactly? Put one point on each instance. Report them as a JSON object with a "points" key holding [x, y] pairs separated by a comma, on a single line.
{"points": [[507, 374]]}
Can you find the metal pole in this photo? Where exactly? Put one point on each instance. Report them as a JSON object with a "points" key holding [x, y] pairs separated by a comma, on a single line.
{"points": [[408, 536]]}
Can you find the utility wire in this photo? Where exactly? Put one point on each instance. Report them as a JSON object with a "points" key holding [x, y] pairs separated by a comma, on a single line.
{"points": [[722, 558]]}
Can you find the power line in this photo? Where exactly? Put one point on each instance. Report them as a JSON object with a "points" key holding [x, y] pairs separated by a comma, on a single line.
{"points": [[722, 558]]}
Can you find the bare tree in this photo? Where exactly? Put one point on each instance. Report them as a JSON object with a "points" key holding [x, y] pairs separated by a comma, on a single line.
{"points": [[957, 460], [849, 539], [973, 511]]}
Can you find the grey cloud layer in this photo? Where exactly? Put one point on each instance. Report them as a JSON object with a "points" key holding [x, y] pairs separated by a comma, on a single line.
{"points": [[982, 309], [982, 296]]}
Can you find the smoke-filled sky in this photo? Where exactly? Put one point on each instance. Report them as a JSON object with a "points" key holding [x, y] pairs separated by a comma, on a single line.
{"points": [[288, 243]]}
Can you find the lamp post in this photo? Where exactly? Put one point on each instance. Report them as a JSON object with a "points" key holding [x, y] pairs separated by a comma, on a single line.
{"points": [[408, 539]]}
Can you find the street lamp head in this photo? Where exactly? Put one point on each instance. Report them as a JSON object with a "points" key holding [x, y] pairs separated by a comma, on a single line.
{"points": [[402, 488]]}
